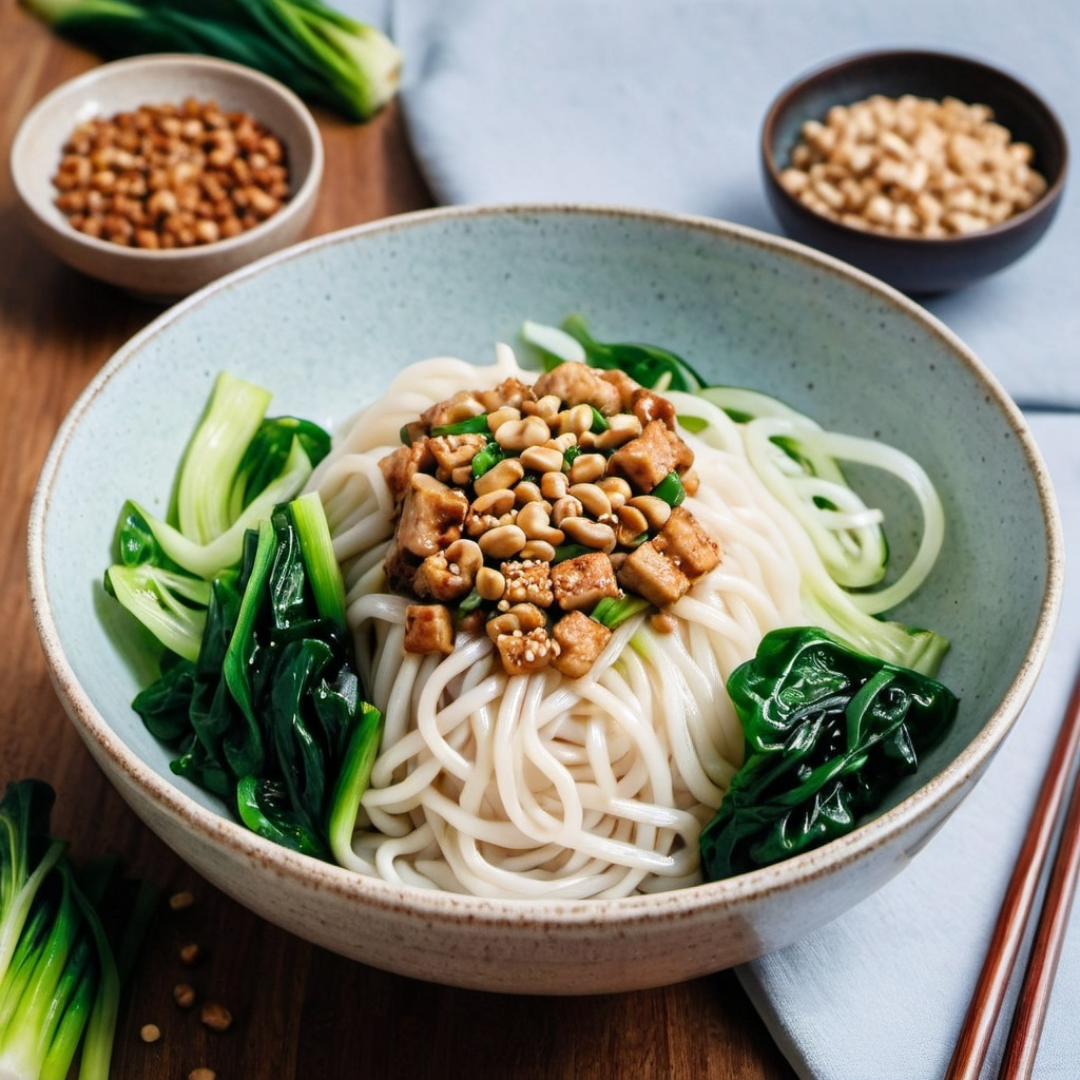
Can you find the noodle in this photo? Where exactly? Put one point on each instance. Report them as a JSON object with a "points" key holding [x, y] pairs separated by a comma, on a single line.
{"points": [[540, 785]]}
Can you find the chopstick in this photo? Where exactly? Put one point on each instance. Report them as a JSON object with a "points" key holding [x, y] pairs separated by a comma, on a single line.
{"points": [[984, 1010]]}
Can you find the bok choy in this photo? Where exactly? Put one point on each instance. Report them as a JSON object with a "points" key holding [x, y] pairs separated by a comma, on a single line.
{"points": [[67, 940], [257, 693], [324, 56]]}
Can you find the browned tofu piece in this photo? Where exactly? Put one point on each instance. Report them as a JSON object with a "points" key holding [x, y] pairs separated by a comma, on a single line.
{"points": [[399, 467], [435, 580], [648, 572], [646, 460], [528, 582], [524, 653], [450, 451], [429, 628], [581, 640], [400, 567], [683, 540], [453, 410], [648, 405], [575, 384], [584, 581], [510, 392], [626, 386], [431, 516]]}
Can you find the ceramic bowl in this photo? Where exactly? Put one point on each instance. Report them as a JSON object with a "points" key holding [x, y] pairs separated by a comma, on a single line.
{"points": [[155, 80], [918, 266], [326, 325]]}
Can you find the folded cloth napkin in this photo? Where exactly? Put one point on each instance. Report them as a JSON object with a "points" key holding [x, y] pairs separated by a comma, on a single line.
{"points": [[659, 104]]}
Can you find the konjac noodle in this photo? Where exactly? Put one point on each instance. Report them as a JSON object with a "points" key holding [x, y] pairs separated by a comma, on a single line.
{"points": [[541, 756]]}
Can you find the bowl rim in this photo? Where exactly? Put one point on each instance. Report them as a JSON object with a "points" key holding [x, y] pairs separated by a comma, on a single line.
{"points": [[118, 69], [851, 60], [215, 830]]}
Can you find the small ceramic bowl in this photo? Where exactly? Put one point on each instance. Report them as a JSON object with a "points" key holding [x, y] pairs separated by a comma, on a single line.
{"points": [[327, 324], [916, 265], [155, 80]]}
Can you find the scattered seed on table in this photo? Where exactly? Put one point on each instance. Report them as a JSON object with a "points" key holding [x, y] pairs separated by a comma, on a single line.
{"points": [[184, 995], [202, 1073], [149, 1033], [190, 954], [216, 1016], [181, 900]]}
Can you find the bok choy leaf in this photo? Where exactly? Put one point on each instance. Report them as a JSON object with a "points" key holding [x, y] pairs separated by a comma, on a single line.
{"points": [[323, 55]]}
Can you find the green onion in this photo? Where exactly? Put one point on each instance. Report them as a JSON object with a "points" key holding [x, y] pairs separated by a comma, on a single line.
{"points": [[670, 489], [570, 551], [613, 611], [321, 54], [599, 421], [469, 604], [486, 458], [474, 425], [693, 424]]}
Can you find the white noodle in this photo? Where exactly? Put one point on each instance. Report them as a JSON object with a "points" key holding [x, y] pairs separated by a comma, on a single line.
{"points": [[540, 785]]}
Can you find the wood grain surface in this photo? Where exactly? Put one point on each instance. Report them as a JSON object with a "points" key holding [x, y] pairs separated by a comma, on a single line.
{"points": [[298, 1011]]}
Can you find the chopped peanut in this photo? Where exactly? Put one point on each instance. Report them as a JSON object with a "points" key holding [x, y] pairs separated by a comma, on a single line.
{"points": [[912, 166], [485, 518]]}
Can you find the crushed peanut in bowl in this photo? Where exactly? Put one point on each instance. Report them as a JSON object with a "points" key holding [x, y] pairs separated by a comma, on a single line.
{"points": [[912, 167], [167, 176]]}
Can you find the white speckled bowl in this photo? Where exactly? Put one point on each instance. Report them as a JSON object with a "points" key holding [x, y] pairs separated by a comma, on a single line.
{"points": [[327, 323], [155, 80]]}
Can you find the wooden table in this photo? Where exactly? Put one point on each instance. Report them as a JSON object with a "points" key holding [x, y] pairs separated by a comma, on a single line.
{"points": [[298, 1010]]}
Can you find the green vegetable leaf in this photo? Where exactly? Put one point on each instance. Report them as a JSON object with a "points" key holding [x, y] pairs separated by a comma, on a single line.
{"points": [[650, 365], [60, 976], [323, 55], [829, 732]]}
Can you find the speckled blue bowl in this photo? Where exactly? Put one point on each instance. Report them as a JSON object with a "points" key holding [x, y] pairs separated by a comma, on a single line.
{"points": [[326, 324]]}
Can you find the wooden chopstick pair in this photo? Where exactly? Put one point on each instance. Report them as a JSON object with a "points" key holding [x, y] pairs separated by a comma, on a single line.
{"points": [[1010, 931]]}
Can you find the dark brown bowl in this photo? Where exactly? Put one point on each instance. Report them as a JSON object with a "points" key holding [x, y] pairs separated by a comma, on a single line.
{"points": [[916, 265]]}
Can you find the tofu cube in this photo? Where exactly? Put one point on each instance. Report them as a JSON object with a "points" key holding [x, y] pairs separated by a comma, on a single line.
{"points": [[646, 460], [429, 629], [528, 582], [683, 540], [582, 582], [648, 572], [434, 580], [581, 640], [431, 516], [524, 653]]}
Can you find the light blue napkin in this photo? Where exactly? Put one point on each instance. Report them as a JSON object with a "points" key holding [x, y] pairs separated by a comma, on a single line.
{"points": [[658, 104], [880, 994]]}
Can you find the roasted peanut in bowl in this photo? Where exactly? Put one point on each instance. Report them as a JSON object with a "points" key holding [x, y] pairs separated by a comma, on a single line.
{"points": [[928, 170], [161, 173]]}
